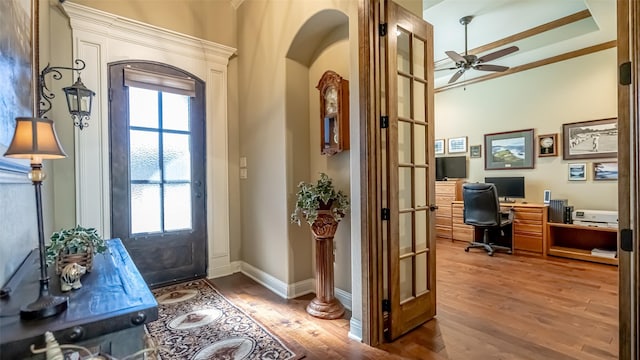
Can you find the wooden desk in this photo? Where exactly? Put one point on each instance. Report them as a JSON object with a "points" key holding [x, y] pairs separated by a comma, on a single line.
{"points": [[529, 226], [106, 314]]}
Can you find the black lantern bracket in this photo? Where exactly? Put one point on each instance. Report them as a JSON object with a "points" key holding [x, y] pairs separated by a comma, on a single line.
{"points": [[79, 97]]}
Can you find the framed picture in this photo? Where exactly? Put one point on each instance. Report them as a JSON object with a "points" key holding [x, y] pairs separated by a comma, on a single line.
{"points": [[577, 171], [590, 139], [458, 145], [439, 147], [605, 170], [475, 151], [509, 150], [548, 145], [17, 64]]}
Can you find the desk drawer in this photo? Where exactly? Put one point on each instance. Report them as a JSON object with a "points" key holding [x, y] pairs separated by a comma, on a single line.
{"points": [[527, 243], [528, 215], [533, 227], [443, 220], [463, 232], [443, 231]]}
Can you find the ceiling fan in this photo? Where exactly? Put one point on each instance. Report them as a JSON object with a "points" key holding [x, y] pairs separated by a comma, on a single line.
{"points": [[466, 61]]}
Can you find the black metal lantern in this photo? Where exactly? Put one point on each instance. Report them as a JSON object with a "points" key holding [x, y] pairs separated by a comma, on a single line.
{"points": [[79, 100], [79, 97]]}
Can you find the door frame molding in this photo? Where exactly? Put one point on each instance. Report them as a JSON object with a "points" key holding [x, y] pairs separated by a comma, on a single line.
{"points": [[628, 19], [100, 38]]}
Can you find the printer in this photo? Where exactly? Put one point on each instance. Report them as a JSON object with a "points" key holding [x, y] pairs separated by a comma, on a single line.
{"points": [[599, 218]]}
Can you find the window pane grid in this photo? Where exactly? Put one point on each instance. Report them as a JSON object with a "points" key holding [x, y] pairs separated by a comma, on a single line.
{"points": [[162, 209]]}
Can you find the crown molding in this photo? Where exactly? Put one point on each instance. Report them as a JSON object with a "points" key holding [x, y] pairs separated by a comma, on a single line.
{"points": [[117, 27]]}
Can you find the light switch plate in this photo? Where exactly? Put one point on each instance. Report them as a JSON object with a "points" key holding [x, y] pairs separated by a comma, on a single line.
{"points": [[243, 161], [243, 173]]}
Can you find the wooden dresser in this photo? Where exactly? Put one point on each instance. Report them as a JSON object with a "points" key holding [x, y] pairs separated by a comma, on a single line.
{"points": [[446, 193], [529, 226]]}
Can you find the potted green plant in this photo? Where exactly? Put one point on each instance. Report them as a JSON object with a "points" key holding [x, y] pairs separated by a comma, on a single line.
{"points": [[77, 244], [319, 196]]}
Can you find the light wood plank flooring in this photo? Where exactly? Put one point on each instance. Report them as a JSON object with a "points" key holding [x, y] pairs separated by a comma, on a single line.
{"points": [[500, 307]]}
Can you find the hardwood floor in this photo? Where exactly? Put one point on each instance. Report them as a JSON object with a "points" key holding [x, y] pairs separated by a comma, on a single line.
{"points": [[500, 307]]}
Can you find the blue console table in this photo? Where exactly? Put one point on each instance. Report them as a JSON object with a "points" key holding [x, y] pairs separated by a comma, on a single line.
{"points": [[107, 314]]}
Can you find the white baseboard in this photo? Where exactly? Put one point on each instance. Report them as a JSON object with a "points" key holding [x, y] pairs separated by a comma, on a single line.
{"points": [[221, 271], [355, 329], [279, 287], [344, 297]]}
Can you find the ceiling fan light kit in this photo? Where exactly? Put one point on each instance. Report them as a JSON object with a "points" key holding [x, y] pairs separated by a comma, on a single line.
{"points": [[466, 61]]}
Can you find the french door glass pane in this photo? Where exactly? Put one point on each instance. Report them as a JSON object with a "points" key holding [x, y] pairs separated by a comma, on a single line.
{"points": [[420, 187], [143, 108], [176, 157], [404, 188], [404, 142], [145, 208], [145, 159], [418, 58], [175, 112], [421, 273], [177, 207], [404, 97], [419, 107], [406, 234], [406, 279], [421, 230], [404, 59]]}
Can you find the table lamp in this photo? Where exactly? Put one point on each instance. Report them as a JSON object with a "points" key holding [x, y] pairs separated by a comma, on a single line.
{"points": [[35, 139]]}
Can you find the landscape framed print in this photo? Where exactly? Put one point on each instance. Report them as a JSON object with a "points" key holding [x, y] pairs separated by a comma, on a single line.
{"points": [[439, 147], [605, 170], [475, 151], [590, 139], [457, 145], [509, 150], [577, 171]]}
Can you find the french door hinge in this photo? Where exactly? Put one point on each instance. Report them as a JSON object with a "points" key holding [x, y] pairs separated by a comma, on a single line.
{"points": [[625, 73], [626, 239], [384, 122], [382, 29], [110, 94], [386, 214], [386, 305]]}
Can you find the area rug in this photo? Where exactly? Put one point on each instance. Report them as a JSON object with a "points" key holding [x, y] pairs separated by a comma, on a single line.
{"points": [[196, 322]]}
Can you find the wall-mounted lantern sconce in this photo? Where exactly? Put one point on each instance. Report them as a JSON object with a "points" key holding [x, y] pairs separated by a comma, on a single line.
{"points": [[79, 98]]}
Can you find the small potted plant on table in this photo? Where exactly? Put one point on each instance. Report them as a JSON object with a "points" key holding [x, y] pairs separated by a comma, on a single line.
{"points": [[74, 245], [322, 207]]}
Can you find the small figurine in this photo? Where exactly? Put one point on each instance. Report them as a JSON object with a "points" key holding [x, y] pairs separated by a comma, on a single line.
{"points": [[70, 277]]}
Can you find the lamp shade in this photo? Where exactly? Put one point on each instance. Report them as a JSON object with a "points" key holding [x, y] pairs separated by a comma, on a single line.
{"points": [[35, 138]]}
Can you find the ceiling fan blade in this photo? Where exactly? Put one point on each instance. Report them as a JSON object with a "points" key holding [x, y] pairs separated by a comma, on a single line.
{"points": [[456, 76], [455, 57], [498, 54], [450, 68], [489, 67]]}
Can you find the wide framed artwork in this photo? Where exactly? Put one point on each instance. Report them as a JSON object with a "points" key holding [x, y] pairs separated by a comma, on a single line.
{"points": [[590, 139], [605, 170], [509, 150], [457, 145], [17, 90]]}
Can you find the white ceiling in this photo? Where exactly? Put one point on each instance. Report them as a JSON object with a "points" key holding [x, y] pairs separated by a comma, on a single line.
{"points": [[497, 19]]}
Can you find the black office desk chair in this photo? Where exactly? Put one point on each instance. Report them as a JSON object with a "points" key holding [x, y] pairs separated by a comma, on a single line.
{"points": [[482, 210]]}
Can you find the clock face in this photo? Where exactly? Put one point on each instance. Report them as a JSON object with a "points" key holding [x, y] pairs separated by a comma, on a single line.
{"points": [[546, 142], [331, 100]]}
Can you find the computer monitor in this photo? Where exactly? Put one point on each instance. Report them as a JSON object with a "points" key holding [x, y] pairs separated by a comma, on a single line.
{"points": [[508, 187], [454, 167]]}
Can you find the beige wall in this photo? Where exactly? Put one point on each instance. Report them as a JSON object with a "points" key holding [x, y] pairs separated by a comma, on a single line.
{"points": [[210, 20], [544, 98], [265, 32], [336, 58]]}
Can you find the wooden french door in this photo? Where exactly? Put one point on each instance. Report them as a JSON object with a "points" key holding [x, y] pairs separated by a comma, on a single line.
{"points": [[407, 52], [157, 145]]}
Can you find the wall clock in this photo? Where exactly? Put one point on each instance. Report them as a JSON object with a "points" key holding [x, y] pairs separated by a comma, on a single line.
{"points": [[548, 145], [334, 113]]}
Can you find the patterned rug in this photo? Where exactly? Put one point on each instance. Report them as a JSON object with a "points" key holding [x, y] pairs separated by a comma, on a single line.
{"points": [[196, 322]]}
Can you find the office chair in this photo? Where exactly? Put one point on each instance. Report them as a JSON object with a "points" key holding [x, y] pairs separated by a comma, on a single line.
{"points": [[482, 210]]}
